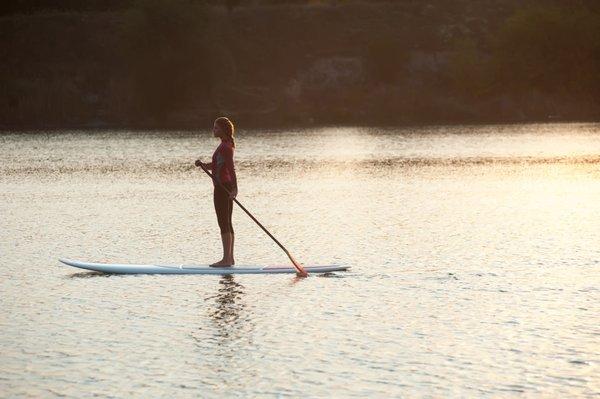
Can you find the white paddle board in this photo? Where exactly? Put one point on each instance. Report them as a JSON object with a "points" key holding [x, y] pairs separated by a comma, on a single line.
{"points": [[120, 268]]}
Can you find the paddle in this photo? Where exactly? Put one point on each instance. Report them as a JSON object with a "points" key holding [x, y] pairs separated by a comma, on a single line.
{"points": [[299, 269]]}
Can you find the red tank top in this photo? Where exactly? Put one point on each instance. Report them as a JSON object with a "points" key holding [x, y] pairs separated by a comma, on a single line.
{"points": [[222, 161]]}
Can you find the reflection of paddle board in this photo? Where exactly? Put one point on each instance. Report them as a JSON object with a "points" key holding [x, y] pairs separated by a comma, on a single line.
{"points": [[191, 269]]}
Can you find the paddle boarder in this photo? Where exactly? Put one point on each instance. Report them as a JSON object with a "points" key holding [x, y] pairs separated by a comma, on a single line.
{"points": [[225, 185]]}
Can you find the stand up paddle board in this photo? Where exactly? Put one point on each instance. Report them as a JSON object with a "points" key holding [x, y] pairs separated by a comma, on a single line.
{"points": [[117, 268]]}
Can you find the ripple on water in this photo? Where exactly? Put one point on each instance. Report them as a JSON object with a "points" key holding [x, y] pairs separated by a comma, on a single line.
{"points": [[472, 250]]}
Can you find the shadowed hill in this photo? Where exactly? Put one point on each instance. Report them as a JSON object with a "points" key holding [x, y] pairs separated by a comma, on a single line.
{"points": [[180, 63]]}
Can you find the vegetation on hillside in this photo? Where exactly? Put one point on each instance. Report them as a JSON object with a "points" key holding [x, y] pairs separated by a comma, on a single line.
{"points": [[178, 63]]}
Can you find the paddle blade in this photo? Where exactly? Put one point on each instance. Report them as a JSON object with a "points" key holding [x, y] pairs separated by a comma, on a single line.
{"points": [[300, 272]]}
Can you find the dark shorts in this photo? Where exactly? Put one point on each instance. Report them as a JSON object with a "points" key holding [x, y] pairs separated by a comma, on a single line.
{"points": [[223, 208]]}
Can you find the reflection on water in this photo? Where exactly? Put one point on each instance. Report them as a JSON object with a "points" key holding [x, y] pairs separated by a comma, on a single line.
{"points": [[226, 311], [89, 275], [474, 255], [229, 336]]}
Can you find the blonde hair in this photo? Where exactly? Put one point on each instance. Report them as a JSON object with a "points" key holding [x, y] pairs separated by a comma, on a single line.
{"points": [[226, 127]]}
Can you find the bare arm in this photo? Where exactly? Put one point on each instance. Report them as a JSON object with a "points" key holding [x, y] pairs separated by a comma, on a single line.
{"points": [[208, 166], [231, 167], [228, 154]]}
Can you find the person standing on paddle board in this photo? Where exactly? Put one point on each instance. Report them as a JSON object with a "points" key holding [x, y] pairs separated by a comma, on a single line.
{"points": [[225, 184]]}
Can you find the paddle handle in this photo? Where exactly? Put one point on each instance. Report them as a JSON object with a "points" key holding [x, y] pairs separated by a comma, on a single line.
{"points": [[300, 270]]}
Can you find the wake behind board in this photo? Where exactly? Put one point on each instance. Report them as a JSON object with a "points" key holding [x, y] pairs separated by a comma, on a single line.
{"points": [[117, 268]]}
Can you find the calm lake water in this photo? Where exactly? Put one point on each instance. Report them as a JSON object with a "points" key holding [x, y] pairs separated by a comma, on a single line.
{"points": [[474, 254]]}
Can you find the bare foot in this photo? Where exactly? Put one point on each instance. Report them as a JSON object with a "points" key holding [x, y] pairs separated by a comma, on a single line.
{"points": [[222, 263]]}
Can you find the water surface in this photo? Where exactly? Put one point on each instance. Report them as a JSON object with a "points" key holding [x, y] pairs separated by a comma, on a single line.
{"points": [[474, 257]]}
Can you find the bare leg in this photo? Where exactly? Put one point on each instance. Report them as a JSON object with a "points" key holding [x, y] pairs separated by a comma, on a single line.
{"points": [[231, 258], [227, 241]]}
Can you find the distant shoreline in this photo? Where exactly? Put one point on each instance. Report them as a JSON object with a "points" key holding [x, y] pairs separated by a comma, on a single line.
{"points": [[201, 127]]}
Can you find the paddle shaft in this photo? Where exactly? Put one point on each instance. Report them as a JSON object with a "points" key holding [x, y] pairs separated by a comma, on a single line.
{"points": [[298, 267]]}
